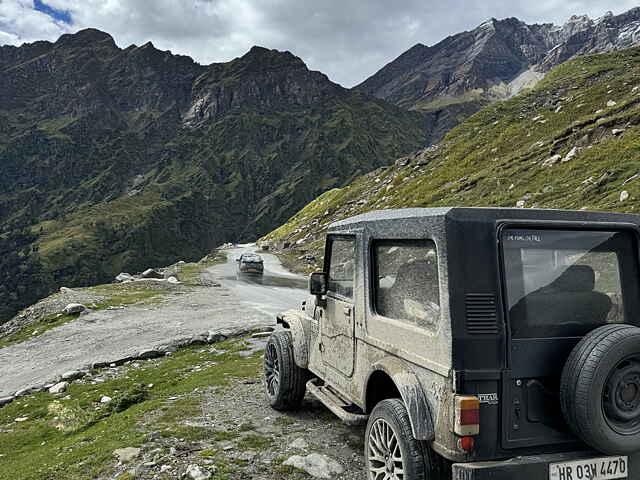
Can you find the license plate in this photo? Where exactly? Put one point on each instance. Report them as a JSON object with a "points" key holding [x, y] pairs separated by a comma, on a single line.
{"points": [[603, 468]]}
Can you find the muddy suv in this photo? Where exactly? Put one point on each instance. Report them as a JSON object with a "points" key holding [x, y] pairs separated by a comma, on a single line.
{"points": [[475, 343]]}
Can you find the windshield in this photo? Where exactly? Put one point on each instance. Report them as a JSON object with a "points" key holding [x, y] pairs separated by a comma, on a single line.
{"points": [[563, 283]]}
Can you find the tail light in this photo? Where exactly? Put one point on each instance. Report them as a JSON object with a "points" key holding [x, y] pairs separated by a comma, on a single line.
{"points": [[467, 415]]}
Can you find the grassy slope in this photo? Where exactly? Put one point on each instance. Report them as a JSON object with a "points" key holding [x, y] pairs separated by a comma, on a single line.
{"points": [[497, 157], [75, 438]]}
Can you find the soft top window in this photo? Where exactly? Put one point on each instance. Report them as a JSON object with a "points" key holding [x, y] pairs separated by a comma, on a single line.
{"points": [[406, 281], [563, 283]]}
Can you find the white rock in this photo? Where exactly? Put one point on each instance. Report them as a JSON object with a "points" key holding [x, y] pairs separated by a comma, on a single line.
{"points": [[624, 195], [196, 472], [72, 375], [173, 279], [59, 387], [617, 131], [316, 465], [125, 455], [571, 154], [520, 204], [552, 160], [611, 103], [151, 273], [124, 277], [165, 468], [105, 399], [74, 308], [299, 444], [22, 419]]}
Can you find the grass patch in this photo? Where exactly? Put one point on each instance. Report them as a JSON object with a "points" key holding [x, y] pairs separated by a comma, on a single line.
{"points": [[254, 441], [133, 293], [40, 450], [37, 328]]}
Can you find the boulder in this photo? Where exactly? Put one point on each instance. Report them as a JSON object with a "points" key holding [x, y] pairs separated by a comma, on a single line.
{"points": [[316, 465], [59, 387], [196, 472], [572, 153], [125, 455], [6, 400], [124, 277], [105, 399], [74, 308], [299, 444], [624, 195], [151, 273], [72, 375], [173, 280]]}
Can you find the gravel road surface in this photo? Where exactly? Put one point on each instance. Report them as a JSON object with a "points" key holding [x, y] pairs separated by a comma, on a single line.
{"points": [[106, 335]]}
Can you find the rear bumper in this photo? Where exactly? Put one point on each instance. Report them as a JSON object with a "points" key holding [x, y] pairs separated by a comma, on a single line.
{"points": [[529, 468]]}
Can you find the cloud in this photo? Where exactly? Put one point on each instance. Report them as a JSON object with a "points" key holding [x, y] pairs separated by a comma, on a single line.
{"points": [[346, 39]]}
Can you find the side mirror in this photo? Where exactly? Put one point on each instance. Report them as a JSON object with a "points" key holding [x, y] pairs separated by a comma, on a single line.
{"points": [[318, 283], [237, 259]]}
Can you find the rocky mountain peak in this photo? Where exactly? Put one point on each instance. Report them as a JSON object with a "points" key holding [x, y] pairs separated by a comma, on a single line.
{"points": [[263, 58], [455, 77], [85, 38]]}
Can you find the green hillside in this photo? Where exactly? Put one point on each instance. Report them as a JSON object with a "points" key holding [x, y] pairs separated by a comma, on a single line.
{"points": [[121, 159], [573, 142]]}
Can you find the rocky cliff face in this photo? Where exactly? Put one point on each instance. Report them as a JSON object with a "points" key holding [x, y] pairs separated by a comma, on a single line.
{"points": [[456, 77], [117, 158]]}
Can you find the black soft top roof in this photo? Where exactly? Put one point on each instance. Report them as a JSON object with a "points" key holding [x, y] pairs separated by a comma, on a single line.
{"points": [[435, 216]]}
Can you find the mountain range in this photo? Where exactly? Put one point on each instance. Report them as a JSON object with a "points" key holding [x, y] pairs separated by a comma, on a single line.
{"points": [[115, 159], [464, 72]]}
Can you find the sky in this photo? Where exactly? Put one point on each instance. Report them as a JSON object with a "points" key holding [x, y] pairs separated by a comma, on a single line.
{"points": [[348, 40]]}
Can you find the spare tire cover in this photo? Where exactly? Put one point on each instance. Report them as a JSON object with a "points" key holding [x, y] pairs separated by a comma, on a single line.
{"points": [[600, 389]]}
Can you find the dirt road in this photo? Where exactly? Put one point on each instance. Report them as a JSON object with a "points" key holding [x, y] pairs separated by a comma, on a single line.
{"points": [[103, 336]]}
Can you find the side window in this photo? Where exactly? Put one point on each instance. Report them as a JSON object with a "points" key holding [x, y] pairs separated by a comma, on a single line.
{"points": [[342, 266], [406, 281]]}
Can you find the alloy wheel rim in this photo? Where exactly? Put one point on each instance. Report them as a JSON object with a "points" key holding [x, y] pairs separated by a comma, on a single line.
{"points": [[384, 454], [271, 371]]}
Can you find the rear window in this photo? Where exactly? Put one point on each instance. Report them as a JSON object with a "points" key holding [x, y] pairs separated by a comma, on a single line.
{"points": [[406, 281], [563, 283]]}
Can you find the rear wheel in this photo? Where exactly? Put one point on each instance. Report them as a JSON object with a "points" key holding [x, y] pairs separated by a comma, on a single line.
{"points": [[391, 452], [284, 381], [600, 389]]}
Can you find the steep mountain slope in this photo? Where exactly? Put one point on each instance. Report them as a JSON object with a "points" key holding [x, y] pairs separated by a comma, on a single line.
{"points": [[456, 77], [572, 142], [116, 158]]}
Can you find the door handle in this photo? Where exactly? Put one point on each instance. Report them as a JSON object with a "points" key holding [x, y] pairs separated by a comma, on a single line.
{"points": [[347, 311]]}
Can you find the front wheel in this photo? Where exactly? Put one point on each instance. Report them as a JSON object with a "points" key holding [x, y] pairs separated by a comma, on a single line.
{"points": [[284, 381], [391, 451]]}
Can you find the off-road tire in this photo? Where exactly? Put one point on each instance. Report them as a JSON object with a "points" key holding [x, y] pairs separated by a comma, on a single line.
{"points": [[419, 461], [584, 388], [291, 387]]}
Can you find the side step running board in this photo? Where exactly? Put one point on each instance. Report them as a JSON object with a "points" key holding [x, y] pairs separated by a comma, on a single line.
{"points": [[335, 404]]}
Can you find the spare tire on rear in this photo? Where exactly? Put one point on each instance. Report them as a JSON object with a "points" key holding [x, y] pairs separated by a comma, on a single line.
{"points": [[600, 389]]}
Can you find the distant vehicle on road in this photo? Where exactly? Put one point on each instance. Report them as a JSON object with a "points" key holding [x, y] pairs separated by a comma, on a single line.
{"points": [[250, 264], [474, 343]]}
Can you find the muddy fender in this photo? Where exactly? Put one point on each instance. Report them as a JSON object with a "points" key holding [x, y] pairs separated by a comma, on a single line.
{"points": [[298, 324], [412, 395]]}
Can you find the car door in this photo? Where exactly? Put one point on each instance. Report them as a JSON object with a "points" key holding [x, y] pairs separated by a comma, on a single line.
{"points": [[337, 322]]}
